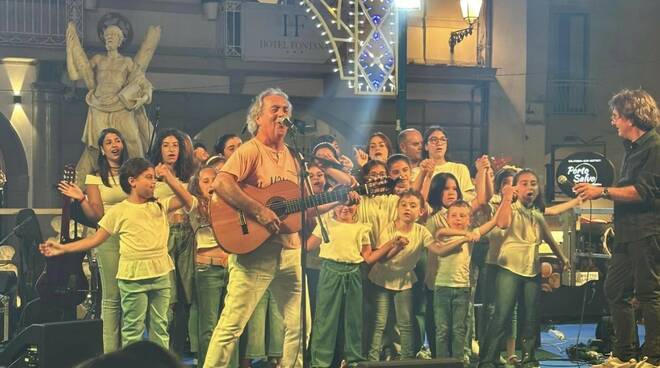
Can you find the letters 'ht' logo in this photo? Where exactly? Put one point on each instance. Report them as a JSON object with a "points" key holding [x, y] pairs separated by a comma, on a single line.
{"points": [[293, 23]]}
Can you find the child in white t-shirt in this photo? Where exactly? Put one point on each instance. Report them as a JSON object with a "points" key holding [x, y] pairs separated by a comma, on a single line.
{"points": [[339, 286], [140, 222], [393, 273], [452, 280]]}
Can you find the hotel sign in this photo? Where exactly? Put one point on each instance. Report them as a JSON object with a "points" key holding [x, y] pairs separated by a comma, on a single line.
{"points": [[282, 33]]}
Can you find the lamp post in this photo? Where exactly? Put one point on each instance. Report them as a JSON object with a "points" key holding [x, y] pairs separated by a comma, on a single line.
{"points": [[403, 6], [470, 10]]}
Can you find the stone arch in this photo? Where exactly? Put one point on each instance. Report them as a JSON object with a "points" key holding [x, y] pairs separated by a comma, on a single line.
{"points": [[234, 122]]}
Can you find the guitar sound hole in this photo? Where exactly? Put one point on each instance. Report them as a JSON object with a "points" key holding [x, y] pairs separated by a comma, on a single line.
{"points": [[277, 205]]}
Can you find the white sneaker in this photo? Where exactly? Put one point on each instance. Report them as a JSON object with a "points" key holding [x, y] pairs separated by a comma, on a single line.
{"points": [[424, 353], [614, 362]]}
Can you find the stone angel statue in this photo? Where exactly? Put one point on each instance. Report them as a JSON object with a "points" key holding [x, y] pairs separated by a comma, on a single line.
{"points": [[118, 91]]}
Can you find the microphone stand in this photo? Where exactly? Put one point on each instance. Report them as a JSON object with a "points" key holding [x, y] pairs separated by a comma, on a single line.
{"points": [[304, 183], [156, 121]]}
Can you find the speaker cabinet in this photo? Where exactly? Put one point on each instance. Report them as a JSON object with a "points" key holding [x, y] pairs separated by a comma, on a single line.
{"points": [[54, 345]]}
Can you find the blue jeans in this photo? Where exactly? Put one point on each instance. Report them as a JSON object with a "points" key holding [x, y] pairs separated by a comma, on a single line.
{"points": [[403, 309], [451, 312], [512, 288]]}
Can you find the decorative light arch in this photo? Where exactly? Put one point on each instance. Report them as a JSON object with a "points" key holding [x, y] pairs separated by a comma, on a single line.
{"points": [[362, 39]]}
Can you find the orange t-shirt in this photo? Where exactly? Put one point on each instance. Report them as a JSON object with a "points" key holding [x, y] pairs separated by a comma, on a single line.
{"points": [[258, 165]]}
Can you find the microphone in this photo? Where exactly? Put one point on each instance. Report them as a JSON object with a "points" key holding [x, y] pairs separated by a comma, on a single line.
{"points": [[566, 183], [289, 124], [564, 180]]}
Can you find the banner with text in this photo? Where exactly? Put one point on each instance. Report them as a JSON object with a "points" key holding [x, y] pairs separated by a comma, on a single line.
{"points": [[283, 33]]}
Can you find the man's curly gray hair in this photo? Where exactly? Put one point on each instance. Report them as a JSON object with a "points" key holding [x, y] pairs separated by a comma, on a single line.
{"points": [[258, 104]]}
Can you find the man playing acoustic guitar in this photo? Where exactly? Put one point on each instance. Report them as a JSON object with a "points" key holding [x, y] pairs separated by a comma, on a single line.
{"points": [[260, 162]]}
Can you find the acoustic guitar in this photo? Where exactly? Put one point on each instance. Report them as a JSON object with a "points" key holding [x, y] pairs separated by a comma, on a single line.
{"points": [[240, 233], [63, 282]]}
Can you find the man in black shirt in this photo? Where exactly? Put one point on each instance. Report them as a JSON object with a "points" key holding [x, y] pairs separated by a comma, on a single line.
{"points": [[634, 270]]}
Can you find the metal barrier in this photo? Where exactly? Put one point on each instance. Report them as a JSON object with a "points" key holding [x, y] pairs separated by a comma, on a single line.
{"points": [[566, 96], [38, 22]]}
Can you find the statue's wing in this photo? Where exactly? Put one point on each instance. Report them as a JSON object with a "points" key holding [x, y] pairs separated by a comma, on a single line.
{"points": [[147, 49], [77, 63]]}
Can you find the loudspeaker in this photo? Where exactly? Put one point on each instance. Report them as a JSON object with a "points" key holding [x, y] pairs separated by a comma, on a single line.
{"points": [[54, 345], [440, 362]]}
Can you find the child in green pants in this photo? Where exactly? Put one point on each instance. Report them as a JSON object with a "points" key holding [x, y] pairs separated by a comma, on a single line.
{"points": [[339, 287], [144, 264]]}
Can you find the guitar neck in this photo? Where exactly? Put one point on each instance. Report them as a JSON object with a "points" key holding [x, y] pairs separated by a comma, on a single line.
{"points": [[66, 219], [300, 204]]}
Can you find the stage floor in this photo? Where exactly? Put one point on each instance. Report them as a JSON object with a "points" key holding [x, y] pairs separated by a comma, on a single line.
{"points": [[552, 352]]}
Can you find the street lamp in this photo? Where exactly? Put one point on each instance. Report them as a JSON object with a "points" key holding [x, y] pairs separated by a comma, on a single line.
{"points": [[470, 10], [408, 4]]}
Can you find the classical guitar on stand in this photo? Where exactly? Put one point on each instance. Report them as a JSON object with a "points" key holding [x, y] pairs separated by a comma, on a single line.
{"points": [[239, 233], [63, 282]]}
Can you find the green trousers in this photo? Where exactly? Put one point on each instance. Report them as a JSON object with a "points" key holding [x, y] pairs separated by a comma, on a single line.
{"points": [[339, 291], [145, 300], [180, 247], [107, 255], [210, 287]]}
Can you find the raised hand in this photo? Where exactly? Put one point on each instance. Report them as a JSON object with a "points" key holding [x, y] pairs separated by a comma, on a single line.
{"points": [[482, 163], [352, 198], [426, 167], [51, 249], [71, 190], [162, 171], [360, 156], [346, 163], [509, 193], [326, 155]]}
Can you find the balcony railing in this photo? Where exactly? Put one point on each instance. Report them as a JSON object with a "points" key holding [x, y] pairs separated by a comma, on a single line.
{"points": [[39, 23], [571, 97]]}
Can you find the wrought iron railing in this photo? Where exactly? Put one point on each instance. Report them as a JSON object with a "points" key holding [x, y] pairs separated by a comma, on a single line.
{"points": [[571, 97], [39, 23]]}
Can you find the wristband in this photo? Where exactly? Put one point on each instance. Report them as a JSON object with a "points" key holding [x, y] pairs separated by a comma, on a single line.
{"points": [[83, 199]]}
